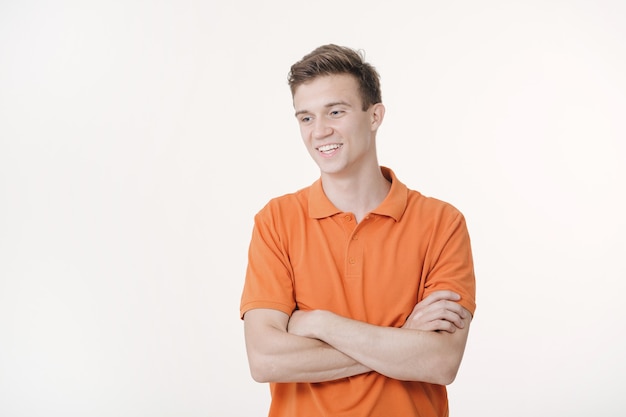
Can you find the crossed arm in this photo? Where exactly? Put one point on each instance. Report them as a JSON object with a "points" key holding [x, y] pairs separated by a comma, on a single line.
{"points": [[316, 346]]}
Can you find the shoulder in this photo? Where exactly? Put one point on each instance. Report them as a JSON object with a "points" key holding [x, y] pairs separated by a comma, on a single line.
{"points": [[414, 209], [420, 204], [287, 205]]}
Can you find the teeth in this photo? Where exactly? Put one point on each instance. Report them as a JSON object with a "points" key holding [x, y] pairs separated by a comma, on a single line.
{"points": [[328, 148]]}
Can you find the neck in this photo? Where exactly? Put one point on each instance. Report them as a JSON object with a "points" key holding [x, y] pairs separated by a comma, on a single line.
{"points": [[357, 193]]}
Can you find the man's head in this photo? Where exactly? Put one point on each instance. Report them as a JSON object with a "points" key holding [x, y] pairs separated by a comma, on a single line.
{"points": [[332, 60], [336, 98]]}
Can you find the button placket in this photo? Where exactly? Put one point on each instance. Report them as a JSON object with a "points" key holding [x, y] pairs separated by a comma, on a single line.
{"points": [[354, 253]]}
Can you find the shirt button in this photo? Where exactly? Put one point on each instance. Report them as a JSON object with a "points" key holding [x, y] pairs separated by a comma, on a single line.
{"points": [[355, 237], [348, 217], [352, 261]]}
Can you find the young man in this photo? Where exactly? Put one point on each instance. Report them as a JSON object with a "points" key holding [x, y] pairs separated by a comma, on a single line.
{"points": [[359, 292]]}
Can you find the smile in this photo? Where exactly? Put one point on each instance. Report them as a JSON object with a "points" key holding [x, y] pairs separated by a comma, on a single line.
{"points": [[329, 148]]}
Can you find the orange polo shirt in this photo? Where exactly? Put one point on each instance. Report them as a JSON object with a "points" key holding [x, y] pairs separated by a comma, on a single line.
{"points": [[304, 252]]}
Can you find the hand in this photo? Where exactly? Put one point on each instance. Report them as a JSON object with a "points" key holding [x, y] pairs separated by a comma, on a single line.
{"points": [[437, 312], [301, 323]]}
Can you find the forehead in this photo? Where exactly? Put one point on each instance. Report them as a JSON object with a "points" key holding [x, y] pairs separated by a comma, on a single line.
{"points": [[327, 89]]}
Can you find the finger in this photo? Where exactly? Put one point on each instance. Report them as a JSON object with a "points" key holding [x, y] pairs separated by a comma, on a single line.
{"points": [[437, 307], [457, 315], [430, 311], [442, 310], [445, 326], [441, 295], [454, 307], [447, 316], [454, 319], [436, 325]]}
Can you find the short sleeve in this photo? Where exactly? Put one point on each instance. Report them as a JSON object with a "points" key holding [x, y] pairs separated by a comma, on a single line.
{"points": [[268, 282], [451, 262]]}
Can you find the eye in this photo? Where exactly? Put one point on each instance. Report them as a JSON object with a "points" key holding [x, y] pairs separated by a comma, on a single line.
{"points": [[336, 113], [305, 119]]}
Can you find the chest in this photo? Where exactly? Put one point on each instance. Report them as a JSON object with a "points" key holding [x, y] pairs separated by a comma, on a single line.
{"points": [[374, 271]]}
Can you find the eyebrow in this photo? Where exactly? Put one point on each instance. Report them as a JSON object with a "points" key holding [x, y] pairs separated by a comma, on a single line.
{"points": [[329, 105]]}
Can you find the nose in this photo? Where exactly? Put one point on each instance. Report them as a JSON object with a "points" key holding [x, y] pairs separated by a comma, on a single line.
{"points": [[321, 129]]}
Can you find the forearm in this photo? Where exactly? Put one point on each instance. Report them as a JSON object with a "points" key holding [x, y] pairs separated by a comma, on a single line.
{"points": [[403, 354], [277, 356]]}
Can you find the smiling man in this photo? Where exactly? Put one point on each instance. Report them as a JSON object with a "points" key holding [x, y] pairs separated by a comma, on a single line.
{"points": [[359, 291]]}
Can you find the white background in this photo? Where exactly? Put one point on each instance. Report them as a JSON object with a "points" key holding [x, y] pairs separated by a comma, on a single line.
{"points": [[139, 138]]}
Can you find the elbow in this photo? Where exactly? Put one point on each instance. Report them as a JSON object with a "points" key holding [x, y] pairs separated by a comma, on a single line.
{"points": [[446, 363], [260, 371], [438, 371], [447, 376], [263, 367], [258, 375], [445, 370]]}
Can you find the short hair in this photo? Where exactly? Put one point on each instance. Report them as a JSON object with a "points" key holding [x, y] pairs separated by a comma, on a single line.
{"points": [[332, 59]]}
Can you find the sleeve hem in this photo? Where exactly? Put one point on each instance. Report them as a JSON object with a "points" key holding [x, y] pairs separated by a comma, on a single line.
{"points": [[265, 304]]}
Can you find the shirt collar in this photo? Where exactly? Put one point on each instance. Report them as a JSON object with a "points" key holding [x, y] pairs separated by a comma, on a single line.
{"points": [[393, 205]]}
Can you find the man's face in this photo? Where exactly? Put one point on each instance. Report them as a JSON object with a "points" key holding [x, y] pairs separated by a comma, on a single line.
{"points": [[338, 134]]}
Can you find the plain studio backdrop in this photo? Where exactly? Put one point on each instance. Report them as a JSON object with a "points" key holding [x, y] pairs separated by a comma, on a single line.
{"points": [[138, 139]]}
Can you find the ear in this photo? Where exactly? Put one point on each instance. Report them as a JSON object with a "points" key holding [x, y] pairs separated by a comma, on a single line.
{"points": [[378, 114]]}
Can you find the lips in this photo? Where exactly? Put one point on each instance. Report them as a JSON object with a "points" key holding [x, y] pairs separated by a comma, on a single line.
{"points": [[326, 149]]}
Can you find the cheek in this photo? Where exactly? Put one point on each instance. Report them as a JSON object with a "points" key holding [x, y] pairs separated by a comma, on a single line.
{"points": [[304, 133], [305, 136]]}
